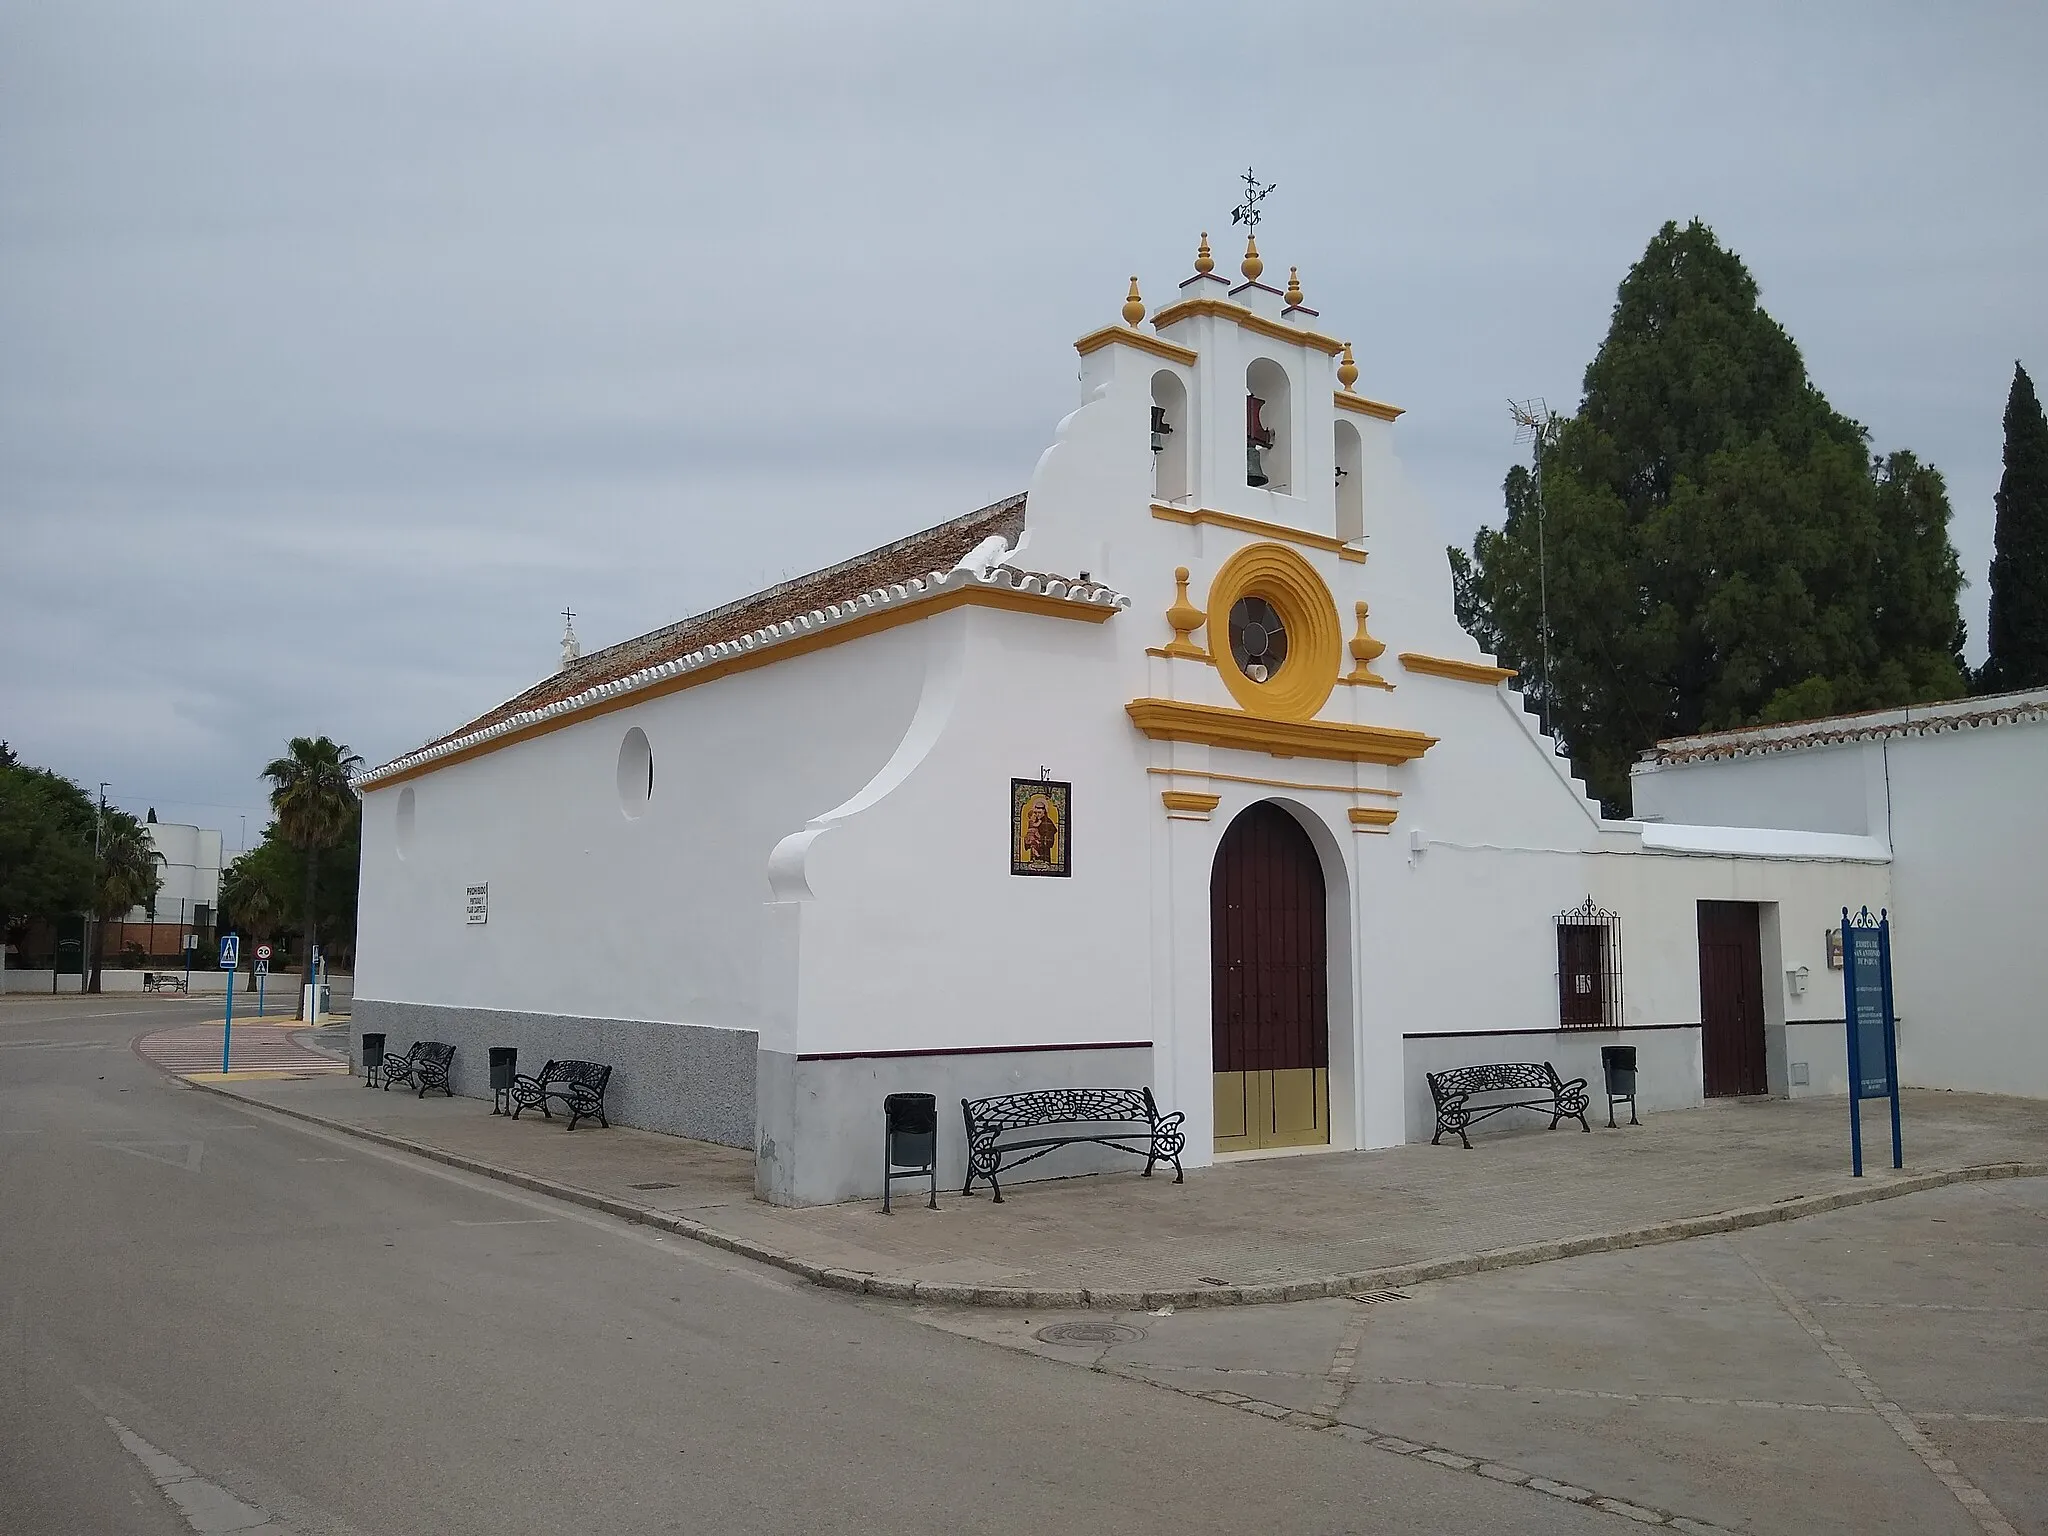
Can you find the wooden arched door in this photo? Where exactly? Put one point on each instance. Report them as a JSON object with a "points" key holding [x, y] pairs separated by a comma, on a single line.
{"points": [[1269, 960]]}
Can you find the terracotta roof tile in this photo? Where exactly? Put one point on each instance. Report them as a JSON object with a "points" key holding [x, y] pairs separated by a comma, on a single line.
{"points": [[935, 549]]}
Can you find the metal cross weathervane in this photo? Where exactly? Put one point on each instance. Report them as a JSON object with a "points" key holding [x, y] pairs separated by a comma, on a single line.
{"points": [[1247, 212]]}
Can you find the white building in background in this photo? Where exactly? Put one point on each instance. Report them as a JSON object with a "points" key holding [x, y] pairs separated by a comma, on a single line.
{"points": [[191, 868], [1177, 770], [1959, 793]]}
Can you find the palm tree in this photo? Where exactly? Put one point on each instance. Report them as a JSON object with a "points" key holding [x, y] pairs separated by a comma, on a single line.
{"points": [[251, 901], [314, 801], [127, 875]]}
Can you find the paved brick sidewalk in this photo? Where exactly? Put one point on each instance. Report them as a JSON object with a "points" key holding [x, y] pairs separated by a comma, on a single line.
{"points": [[265, 1048], [1267, 1230]]}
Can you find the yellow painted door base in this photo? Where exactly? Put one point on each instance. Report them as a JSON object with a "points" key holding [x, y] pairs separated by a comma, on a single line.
{"points": [[1255, 1110]]}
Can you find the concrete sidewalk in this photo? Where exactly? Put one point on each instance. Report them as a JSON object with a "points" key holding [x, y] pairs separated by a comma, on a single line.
{"points": [[1274, 1229]]}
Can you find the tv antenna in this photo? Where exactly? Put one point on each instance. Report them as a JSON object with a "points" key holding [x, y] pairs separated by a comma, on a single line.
{"points": [[1534, 425]]}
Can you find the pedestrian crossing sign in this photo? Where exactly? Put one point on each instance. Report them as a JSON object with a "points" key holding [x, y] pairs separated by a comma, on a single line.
{"points": [[230, 951]]}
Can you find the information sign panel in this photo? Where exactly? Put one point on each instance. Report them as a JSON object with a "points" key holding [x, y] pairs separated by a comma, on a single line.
{"points": [[479, 904], [1865, 964], [1873, 1048], [230, 951]]}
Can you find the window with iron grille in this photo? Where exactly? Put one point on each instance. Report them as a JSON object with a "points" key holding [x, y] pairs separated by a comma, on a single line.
{"points": [[1588, 968]]}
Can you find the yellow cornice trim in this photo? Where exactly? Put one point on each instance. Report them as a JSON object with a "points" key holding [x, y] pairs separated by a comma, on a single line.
{"points": [[1458, 671], [1192, 653], [1264, 530], [1250, 321], [1372, 818], [1346, 401], [1240, 778], [1158, 346], [1369, 680], [1188, 801], [1173, 720], [908, 612]]}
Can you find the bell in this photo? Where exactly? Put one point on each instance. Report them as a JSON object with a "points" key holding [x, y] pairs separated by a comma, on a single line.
{"points": [[1256, 437], [1160, 430]]}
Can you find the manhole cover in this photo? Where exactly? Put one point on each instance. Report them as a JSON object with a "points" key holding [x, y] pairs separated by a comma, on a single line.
{"points": [[657, 1184], [1090, 1333], [1369, 1297]]}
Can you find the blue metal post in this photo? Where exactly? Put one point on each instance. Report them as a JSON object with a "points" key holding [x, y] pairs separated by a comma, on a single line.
{"points": [[188, 964], [1855, 1056], [1891, 1034], [262, 980], [227, 1033]]}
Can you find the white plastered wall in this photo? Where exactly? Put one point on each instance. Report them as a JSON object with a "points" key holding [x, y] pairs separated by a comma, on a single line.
{"points": [[1968, 827], [597, 914]]}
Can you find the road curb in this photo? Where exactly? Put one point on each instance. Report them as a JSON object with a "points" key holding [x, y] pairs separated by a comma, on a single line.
{"points": [[1391, 1276]]}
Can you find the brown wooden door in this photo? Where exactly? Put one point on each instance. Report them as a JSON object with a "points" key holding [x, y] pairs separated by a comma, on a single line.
{"points": [[1731, 999], [1581, 999], [1269, 993]]}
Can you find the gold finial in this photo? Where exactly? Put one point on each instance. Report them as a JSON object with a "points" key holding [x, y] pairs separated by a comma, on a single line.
{"points": [[1253, 264], [1204, 262], [1134, 305], [1294, 287], [1347, 371], [1364, 652], [1185, 618]]}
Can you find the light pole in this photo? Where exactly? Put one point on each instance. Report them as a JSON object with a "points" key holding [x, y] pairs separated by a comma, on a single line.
{"points": [[91, 959]]}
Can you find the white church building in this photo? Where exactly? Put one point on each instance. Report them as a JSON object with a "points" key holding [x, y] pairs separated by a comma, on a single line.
{"points": [[1176, 771]]}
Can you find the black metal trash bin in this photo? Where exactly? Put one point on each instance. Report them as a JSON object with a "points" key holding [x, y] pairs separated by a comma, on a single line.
{"points": [[504, 1067], [910, 1142], [1618, 1067], [373, 1058]]}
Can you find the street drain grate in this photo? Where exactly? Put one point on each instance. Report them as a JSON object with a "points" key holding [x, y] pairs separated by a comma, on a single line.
{"points": [[657, 1184], [1369, 1297], [1089, 1333]]}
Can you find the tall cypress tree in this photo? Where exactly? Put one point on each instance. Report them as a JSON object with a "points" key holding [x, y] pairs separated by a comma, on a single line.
{"points": [[2019, 562], [1721, 547]]}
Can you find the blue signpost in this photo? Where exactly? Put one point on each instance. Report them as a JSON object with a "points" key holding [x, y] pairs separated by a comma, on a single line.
{"points": [[1873, 1032], [230, 956], [262, 975]]}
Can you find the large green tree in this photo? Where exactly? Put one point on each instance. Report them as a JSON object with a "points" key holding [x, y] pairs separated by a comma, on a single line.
{"points": [[45, 844], [1718, 545], [2019, 563], [315, 805]]}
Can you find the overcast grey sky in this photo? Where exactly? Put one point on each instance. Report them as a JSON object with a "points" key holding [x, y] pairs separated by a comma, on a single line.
{"points": [[341, 346]]}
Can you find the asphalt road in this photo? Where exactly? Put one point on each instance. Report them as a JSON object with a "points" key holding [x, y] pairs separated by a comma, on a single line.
{"points": [[217, 1320]]}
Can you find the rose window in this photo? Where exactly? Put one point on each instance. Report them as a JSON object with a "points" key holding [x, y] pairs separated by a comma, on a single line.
{"points": [[1258, 640]]}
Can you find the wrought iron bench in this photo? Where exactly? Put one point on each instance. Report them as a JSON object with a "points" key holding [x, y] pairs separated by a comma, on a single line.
{"points": [[578, 1086], [1109, 1117], [1536, 1081], [424, 1066], [162, 981]]}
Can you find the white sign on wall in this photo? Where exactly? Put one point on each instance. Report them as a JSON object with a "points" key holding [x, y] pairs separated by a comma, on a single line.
{"points": [[479, 904]]}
